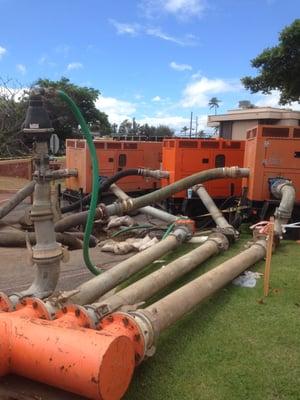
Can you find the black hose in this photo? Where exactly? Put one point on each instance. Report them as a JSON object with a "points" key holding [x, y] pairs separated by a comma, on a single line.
{"points": [[104, 186]]}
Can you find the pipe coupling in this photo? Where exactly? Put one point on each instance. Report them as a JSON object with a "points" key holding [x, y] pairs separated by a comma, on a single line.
{"points": [[220, 240], [156, 174], [235, 172], [276, 186], [144, 321]]}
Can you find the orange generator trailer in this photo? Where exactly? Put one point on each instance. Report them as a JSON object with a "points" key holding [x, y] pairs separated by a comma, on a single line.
{"points": [[271, 151], [184, 157], [113, 156]]}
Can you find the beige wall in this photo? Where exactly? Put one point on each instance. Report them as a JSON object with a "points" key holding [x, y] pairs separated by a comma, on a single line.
{"points": [[239, 128], [294, 122]]}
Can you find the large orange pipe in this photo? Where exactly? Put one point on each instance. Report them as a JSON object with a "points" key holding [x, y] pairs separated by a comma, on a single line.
{"points": [[62, 353]]}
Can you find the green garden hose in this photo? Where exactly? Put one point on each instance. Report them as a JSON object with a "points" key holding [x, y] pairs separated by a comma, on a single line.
{"points": [[95, 180]]}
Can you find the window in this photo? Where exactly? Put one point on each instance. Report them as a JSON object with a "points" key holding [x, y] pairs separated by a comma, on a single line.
{"points": [[122, 160], [205, 160], [220, 161]]}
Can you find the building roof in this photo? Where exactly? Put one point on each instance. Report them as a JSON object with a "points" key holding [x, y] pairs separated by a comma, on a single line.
{"points": [[253, 114]]}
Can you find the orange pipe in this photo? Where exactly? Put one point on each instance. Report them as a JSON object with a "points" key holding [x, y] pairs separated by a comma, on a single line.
{"points": [[62, 353]]}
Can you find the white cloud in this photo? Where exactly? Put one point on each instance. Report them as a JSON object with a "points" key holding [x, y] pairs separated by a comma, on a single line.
{"points": [[3, 51], [197, 93], [188, 40], [117, 110], [123, 28], [272, 100], [136, 29], [180, 67], [21, 68], [156, 98], [182, 9], [175, 122], [14, 93], [74, 65]]}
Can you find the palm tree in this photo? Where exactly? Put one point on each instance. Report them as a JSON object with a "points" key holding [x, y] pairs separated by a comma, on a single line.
{"points": [[214, 103], [184, 130]]}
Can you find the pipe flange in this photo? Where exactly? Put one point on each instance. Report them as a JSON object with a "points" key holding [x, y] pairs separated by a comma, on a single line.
{"points": [[47, 255], [282, 214], [146, 322], [103, 212], [5, 304], [78, 313], [37, 307], [276, 184], [125, 324], [40, 214], [231, 233], [220, 239]]}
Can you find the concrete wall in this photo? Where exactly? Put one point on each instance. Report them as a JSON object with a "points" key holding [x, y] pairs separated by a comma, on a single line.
{"points": [[239, 129]]}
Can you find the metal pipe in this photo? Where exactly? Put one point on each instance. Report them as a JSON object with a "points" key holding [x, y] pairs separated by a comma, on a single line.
{"points": [[104, 186], [211, 207], [66, 354], [120, 208], [146, 287], [147, 210], [283, 189], [47, 252], [101, 284], [18, 239], [171, 308], [17, 199]]}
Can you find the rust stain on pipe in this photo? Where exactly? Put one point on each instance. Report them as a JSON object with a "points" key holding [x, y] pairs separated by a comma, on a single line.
{"points": [[95, 364]]}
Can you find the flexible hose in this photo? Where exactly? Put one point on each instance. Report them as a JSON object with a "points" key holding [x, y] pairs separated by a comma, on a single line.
{"points": [[103, 187], [95, 183], [131, 204]]}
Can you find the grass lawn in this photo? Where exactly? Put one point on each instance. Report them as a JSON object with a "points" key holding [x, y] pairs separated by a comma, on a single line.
{"points": [[232, 346]]}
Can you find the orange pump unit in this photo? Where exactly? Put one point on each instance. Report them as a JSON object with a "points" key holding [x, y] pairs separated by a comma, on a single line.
{"points": [[113, 156], [184, 157], [271, 151]]}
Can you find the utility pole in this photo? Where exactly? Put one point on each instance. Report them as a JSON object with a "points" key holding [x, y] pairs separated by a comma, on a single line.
{"points": [[196, 129], [191, 124]]}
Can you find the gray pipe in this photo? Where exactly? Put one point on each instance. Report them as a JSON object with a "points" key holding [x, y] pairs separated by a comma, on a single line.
{"points": [[147, 210], [18, 239], [17, 199], [146, 287], [46, 253], [171, 308], [283, 189], [215, 213], [45, 280], [101, 284], [123, 207]]}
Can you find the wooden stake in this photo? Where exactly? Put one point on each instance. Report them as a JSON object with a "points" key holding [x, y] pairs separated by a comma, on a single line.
{"points": [[270, 238]]}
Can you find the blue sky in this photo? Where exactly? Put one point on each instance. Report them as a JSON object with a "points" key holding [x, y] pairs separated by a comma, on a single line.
{"points": [[155, 60]]}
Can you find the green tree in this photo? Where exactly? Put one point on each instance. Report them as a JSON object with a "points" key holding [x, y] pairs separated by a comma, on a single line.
{"points": [[279, 67], [184, 130], [164, 131], [62, 118], [125, 127], [214, 104]]}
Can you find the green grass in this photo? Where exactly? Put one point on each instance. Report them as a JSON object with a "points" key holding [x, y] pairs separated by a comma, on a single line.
{"points": [[231, 347]]}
